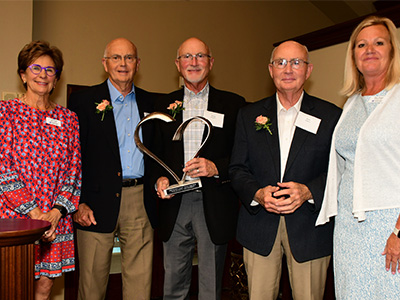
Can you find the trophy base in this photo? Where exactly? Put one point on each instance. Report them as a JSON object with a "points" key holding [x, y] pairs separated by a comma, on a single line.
{"points": [[183, 187]]}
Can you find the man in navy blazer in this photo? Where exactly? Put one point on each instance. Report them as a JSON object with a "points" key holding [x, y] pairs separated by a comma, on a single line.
{"points": [[115, 197], [278, 169], [208, 215]]}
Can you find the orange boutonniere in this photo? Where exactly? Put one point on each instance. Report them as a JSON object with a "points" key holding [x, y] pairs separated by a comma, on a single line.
{"points": [[263, 123], [175, 108], [103, 107]]}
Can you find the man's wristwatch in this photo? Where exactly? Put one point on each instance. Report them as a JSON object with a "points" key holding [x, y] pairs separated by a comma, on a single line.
{"points": [[62, 210], [396, 232]]}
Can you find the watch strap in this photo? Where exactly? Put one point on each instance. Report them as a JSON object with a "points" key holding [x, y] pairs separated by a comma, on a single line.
{"points": [[396, 232], [62, 210]]}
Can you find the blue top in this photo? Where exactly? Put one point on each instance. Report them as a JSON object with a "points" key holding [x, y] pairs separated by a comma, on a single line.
{"points": [[126, 115]]}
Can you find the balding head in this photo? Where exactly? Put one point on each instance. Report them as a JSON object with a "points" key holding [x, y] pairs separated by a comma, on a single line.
{"points": [[290, 44], [193, 41], [289, 78], [196, 67], [118, 43], [120, 61]]}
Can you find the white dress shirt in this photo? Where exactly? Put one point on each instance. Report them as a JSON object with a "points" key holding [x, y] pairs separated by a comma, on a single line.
{"points": [[286, 120]]}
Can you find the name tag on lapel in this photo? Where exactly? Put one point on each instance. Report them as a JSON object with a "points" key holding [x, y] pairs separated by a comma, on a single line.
{"points": [[307, 122], [216, 119]]}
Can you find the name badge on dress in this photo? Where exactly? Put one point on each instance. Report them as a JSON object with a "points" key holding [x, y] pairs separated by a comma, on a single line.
{"points": [[375, 99], [53, 122], [307, 122], [216, 119]]}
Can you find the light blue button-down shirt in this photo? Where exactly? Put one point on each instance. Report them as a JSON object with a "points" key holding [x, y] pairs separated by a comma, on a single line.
{"points": [[126, 115]]}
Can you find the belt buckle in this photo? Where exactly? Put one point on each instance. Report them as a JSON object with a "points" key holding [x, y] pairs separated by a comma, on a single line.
{"points": [[135, 181]]}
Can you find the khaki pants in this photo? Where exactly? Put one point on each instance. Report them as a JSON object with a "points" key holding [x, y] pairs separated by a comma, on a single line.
{"points": [[136, 240], [307, 279]]}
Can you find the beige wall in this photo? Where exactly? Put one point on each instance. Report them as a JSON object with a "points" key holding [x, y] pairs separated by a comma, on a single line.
{"points": [[240, 34], [15, 32], [327, 77]]}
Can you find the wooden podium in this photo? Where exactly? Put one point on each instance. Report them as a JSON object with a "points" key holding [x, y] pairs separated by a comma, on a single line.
{"points": [[17, 257]]}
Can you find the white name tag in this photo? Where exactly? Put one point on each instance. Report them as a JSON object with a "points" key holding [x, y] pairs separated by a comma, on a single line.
{"points": [[307, 122], [376, 99], [53, 122], [216, 119]]}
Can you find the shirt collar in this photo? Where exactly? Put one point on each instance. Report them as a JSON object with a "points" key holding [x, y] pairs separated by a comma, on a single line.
{"points": [[203, 92], [297, 106], [116, 95]]}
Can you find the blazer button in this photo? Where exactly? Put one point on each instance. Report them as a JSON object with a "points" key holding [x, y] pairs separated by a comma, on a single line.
{"points": [[117, 194], [119, 174]]}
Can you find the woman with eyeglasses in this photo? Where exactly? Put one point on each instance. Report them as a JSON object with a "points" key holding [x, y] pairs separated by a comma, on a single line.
{"points": [[40, 164], [363, 184]]}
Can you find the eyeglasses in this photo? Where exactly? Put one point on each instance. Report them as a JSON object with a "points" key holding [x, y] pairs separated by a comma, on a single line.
{"points": [[296, 63], [129, 58], [37, 69], [189, 57]]}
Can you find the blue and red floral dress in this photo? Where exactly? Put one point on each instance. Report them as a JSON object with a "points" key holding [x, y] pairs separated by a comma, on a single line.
{"points": [[40, 166]]}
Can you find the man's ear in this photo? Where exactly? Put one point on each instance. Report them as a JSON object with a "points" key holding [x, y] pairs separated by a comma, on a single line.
{"points": [[137, 64], [177, 65], [211, 63], [270, 70], [104, 62], [310, 67]]}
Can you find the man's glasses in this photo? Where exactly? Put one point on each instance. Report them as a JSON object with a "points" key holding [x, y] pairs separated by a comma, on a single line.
{"points": [[129, 58], [37, 69], [189, 57], [296, 63]]}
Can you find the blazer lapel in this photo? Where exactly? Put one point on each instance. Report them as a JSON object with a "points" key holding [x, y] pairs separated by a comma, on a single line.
{"points": [[214, 104], [178, 95], [142, 102], [272, 140], [300, 135], [108, 123]]}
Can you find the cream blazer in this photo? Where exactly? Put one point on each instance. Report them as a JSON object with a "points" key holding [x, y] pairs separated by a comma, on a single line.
{"points": [[377, 161]]}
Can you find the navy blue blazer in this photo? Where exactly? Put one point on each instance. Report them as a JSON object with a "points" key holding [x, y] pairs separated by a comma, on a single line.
{"points": [[101, 162], [256, 163], [220, 202]]}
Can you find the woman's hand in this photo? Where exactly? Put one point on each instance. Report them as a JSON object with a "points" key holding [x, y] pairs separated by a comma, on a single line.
{"points": [[36, 214], [53, 216], [392, 252], [47, 237]]}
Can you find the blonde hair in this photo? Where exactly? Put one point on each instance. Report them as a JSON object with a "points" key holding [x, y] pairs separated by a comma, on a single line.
{"points": [[353, 79]]}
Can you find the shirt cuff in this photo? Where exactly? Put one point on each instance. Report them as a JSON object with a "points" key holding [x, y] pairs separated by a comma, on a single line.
{"points": [[254, 203]]}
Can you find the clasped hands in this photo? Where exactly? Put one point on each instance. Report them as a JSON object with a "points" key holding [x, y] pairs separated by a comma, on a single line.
{"points": [[53, 216], [196, 167], [285, 198]]}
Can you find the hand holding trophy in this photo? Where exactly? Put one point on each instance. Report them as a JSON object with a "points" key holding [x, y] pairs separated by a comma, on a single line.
{"points": [[182, 185]]}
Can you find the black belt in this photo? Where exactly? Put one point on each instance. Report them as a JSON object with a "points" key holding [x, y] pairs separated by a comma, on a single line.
{"points": [[132, 182]]}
